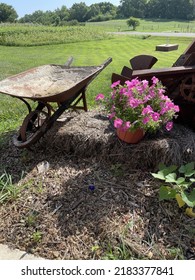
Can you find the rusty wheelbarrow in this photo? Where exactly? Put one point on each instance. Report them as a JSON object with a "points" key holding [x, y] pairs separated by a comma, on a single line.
{"points": [[64, 85]]}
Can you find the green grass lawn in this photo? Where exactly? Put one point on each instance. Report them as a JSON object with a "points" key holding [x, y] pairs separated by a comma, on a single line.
{"points": [[154, 25], [121, 48]]}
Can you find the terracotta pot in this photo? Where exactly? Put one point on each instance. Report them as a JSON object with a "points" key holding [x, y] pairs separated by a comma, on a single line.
{"points": [[130, 137]]}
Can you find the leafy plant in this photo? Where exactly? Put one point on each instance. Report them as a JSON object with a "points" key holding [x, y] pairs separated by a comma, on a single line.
{"points": [[37, 236], [8, 191], [179, 184], [31, 219]]}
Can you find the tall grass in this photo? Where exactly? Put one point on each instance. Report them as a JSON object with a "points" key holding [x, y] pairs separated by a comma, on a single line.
{"points": [[36, 35]]}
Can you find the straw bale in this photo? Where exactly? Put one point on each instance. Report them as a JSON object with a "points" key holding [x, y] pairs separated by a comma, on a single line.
{"points": [[92, 135]]}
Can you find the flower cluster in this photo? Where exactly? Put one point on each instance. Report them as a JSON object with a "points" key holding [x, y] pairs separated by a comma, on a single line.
{"points": [[139, 104]]}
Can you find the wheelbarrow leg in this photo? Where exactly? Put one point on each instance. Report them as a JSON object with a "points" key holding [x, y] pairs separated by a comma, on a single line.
{"points": [[82, 98]]}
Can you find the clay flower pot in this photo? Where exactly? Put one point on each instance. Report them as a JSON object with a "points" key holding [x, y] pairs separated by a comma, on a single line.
{"points": [[129, 136]]}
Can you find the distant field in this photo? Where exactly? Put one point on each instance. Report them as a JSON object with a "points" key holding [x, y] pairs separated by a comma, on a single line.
{"points": [[36, 35], [147, 26], [91, 52]]}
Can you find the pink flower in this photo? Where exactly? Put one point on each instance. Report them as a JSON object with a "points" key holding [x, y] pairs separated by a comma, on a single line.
{"points": [[147, 98], [169, 126], [118, 123], [164, 110], [151, 93], [155, 116], [112, 115], [161, 91], [140, 89], [176, 108], [155, 80], [147, 110], [126, 125], [146, 120], [133, 83], [133, 102], [100, 96], [165, 97], [123, 91], [145, 84], [115, 84], [170, 105]]}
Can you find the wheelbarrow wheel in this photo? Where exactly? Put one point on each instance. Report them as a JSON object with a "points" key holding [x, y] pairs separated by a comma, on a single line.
{"points": [[33, 128]]}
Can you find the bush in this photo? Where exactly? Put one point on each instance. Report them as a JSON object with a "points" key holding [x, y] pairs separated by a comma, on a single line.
{"points": [[133, 22]]}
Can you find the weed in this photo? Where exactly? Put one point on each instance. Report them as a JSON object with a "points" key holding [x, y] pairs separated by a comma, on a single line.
{"points": [[175, 253], [31, 219], [36, 236], [8, 191], [120, 252]]}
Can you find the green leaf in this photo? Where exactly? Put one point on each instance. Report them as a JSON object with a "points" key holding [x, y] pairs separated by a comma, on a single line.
{"points": [[169, 169], [161, 166], [164, 171], [189, 173], [166, 193], [187, 168], [171, 178], [189, 198], [180, 181], [158, 175]]}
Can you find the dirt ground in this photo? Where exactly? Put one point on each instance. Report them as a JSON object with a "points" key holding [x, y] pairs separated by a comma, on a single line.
{"points": [[76, 199]]}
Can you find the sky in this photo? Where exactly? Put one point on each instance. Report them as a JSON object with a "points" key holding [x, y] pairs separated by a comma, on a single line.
{"points": [[23, 7]]}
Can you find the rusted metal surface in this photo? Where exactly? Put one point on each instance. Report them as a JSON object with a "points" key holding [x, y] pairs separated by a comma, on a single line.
{"points": [[143, 62], [62, 84], [53, 83], [187, 58]]}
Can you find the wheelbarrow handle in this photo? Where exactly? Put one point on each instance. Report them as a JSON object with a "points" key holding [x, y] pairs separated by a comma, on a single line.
{"points": [[69, 61], [106, 62]]}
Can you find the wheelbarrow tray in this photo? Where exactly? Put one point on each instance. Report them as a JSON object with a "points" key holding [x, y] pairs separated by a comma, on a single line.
{"points": [[49, 83]]}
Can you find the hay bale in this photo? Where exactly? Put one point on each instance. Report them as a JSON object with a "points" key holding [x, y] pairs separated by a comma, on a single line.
{"points": [[91, 135]]}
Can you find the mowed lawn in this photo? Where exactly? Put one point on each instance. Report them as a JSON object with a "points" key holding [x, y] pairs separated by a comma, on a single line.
{"points": [[121, 48], [148, 25]]}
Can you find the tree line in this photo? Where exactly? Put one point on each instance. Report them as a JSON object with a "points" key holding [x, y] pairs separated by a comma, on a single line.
{"points": [[80, 12]]}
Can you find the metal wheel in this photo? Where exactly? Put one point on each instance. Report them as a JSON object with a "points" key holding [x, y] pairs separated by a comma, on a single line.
{"points": [[187, 88], [33, 127]]}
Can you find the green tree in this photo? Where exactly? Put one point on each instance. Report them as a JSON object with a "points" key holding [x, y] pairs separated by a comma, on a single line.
{"points": [[79, 12], [171, 9], [134, 8], [133, 22], [102, 11], [7, 13], [107, 8], [40, 17], [93, 11], [63, 13]]}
